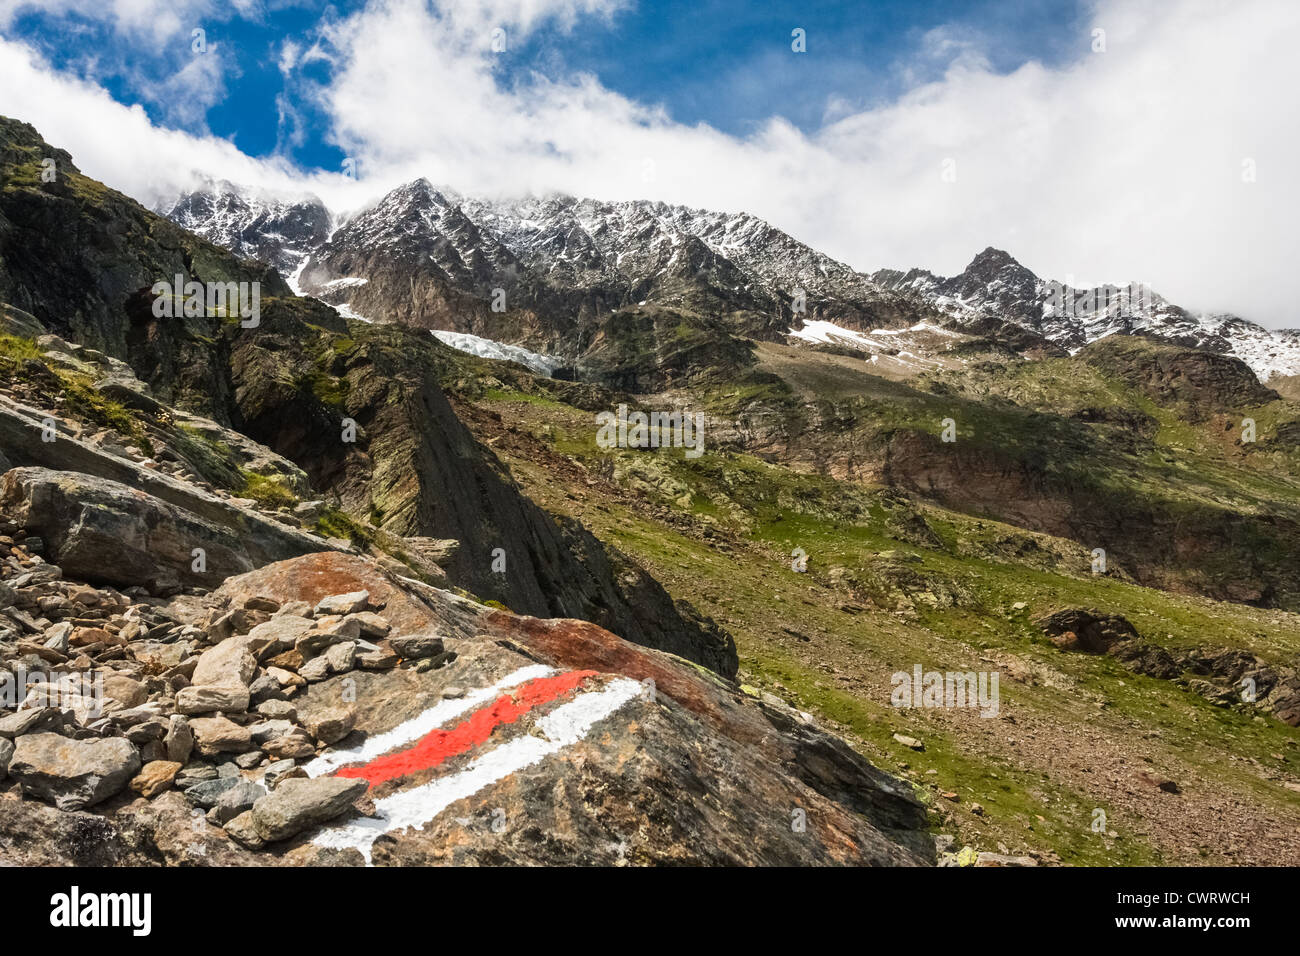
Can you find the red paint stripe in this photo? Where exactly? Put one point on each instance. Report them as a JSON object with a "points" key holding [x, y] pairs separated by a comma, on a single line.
{"points": [[439, 745]]}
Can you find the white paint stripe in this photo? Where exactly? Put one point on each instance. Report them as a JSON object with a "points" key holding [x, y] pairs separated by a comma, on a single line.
{"points": [[417, 727], [565, 725]]}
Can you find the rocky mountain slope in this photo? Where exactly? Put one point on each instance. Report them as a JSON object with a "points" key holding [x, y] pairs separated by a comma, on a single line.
{"points": [[290, 382], [418, 557], [996, 287], [435, 259], [1124, 735], [431, 258], [255, 226], [220, 651]]}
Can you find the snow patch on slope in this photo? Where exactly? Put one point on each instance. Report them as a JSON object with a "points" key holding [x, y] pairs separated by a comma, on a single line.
{"points": [[486, 348]]}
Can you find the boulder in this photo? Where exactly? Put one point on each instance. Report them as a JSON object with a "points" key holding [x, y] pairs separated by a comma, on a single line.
{"points": [[418, 645], [73, 774], [228, 664], [215, 735], [298, 804], [208, 699], [1086, 629], [236, 800], [179, 740], [342, 604], [331, 724], [155, 777], [104, 531]]}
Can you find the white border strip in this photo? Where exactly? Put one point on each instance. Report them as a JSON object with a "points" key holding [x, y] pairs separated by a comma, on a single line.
{"points": [[565, 725], [417, 727]]}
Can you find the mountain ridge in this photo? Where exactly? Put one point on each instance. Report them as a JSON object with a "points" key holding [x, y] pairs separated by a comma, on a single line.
{"points": [[567, 260]]}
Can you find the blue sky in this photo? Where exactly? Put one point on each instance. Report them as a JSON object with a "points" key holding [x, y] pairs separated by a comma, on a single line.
{"points": [[1095, 140], [719, 62]]}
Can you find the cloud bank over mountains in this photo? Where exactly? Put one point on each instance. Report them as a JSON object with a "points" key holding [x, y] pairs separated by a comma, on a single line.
{"points": [[1164, 153]]}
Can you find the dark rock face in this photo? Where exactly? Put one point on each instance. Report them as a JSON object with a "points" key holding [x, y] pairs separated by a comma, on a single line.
{"points": [[252, 227], [104, 531], [417, 472], [1093, 631], [290, 383], [85, 290], [1198, 380], [109, 532]]}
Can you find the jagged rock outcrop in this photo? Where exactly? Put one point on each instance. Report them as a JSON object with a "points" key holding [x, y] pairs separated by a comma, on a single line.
{"points": [[289, 382], [415, 471], [1225, 676], [995, 288], [100, 530], [79, 289], [524, 741], [1196, 380]]}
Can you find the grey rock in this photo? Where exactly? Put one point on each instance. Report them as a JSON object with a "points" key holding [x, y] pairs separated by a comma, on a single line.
{"points": [[327, 632], [179, 740], [416, 646], [277, 710], [73, 774], [295, 609], [266, 730], [249, 760], [341, 657], [264, 688], [195, 773], [341, 604], [234, 801], [316, 669], [206, 793], [277, 635], [298, 804], [281, 770]]}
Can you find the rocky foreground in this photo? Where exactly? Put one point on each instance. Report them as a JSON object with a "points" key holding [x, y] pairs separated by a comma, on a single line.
{"points": [[240, 725]]}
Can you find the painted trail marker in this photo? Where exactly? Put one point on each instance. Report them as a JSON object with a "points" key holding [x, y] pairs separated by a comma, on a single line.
{"points": [[426, 742]]}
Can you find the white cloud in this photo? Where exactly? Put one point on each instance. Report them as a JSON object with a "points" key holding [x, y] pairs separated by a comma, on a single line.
{"points": [[119, 145], [160, 19], [1121, 165]]}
